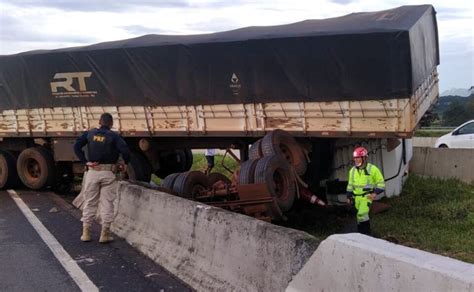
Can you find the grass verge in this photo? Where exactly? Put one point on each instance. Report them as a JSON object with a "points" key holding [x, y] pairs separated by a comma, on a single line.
{"points": [[431, 133], [433, 215], [200, 163]]}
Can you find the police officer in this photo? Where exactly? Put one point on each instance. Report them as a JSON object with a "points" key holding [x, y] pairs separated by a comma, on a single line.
{"points": [[364, 184], [100, 187]]}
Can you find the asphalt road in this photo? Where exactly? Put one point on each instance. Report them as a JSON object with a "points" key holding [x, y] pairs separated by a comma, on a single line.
{"points": [[28, 263]]}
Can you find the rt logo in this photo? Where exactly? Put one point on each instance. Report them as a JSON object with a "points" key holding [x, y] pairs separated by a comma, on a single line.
{"points": [[65, 81]]}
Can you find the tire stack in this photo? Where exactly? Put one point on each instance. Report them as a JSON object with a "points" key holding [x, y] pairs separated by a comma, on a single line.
{"points": [[190, 183], [275, 160]]}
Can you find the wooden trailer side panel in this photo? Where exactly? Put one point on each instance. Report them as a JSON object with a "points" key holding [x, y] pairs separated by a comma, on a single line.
{"points": [[372, 118]]}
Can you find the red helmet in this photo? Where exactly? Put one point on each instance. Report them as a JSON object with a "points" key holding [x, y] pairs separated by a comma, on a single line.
{"points": [[360, 152]]}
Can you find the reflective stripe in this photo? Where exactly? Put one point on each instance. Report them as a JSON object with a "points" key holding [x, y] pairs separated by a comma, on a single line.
{"points": [[363, 219], [364, 180], [363, 186]]}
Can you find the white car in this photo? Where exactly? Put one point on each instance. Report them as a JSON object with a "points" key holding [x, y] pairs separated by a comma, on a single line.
{"points": [[461, 137]]}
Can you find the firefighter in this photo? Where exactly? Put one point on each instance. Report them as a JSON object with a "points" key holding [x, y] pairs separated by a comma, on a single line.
{"points": [[100, 187], [365, 182]]}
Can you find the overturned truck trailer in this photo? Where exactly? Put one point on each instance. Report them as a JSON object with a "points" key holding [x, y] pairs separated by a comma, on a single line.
{"points": [[360, 79]]}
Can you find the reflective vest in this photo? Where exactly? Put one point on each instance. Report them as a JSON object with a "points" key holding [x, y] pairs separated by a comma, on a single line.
{"points": [[362, 181]]}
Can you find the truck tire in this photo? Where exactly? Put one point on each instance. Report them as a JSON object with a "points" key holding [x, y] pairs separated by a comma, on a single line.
{"points": [[36, 168], [215, 177], [247, 172], [139, 169], [169, 180], [283, 144], [255, 151], [276, 173], [174, 161], [189, 184], [8, 174]]}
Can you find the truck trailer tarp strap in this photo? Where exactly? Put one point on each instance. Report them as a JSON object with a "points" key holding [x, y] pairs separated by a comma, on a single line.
{"points": [[360, 56]]}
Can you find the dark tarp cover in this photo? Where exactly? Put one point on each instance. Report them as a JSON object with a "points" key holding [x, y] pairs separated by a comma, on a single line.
{"points": [[360, 56]]}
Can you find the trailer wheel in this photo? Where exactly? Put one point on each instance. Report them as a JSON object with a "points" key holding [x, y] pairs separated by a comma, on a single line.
{"points": [[174, 161], [215, 177], [189, 184], [139, 169], [36, 168], [8, 174], [282, 143], [255, 151], [247, 172], [276, 173], [169, 180]]}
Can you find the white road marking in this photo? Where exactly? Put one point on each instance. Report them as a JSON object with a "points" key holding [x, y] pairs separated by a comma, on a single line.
{"points": [[81, 279]]}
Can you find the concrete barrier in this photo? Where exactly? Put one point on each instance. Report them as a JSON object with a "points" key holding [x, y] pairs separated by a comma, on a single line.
{"points": [[443, 163], [209, 248], [424, 141], [355, 262]]}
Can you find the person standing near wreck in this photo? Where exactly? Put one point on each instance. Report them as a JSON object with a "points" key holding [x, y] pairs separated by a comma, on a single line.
{"points": [[365, 182], [100, 187], [209, 154]]}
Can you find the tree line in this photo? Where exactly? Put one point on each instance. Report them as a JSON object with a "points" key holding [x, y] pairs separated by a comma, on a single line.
{"points": [[450, 111]]}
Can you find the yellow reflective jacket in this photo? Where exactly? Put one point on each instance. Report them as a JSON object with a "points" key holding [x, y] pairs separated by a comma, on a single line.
{"points": [[365, 180]]}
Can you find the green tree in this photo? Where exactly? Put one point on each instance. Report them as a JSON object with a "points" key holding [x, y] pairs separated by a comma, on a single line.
{"points": [[455, 114], [470, 107]]}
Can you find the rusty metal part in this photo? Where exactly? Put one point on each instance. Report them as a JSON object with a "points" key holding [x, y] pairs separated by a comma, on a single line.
{"points": [[222, 190], [378, 207], [307, 196], [229, 151], [253, 200], [144, 144], [260, 192]]}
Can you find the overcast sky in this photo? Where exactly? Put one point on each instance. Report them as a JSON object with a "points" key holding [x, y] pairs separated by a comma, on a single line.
{"points": [[50, 24]]}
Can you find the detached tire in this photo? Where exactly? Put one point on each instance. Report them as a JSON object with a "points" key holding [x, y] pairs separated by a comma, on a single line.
{"points": [[283, 144], [36, 168], [247, 172], [189, 184], [276, 174], [8, 174], [168, 181], [255, 151]]}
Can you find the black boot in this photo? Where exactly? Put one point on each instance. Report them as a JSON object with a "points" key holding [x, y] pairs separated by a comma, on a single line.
{"points": [[364, 227]]}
